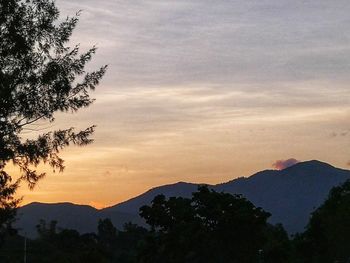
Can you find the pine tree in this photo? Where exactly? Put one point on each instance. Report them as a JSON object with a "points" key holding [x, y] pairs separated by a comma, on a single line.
{"points": [[40, 75]]}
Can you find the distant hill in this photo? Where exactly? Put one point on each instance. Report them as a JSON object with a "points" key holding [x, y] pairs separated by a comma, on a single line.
{"points": [[82, 218], [290, 195], [132, 205]]}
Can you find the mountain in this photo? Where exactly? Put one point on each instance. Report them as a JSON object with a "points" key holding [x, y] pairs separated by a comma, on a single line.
{"points": [[132, 206], [82, 218], [68, 215], [290, 195]]}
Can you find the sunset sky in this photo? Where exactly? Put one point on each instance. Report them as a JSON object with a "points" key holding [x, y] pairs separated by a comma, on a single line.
{"points": [[204, 91]]}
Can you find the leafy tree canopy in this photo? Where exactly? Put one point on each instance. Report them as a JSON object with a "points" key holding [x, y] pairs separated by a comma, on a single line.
{"points": [[327, 236], [209, 227], [40, 75]]}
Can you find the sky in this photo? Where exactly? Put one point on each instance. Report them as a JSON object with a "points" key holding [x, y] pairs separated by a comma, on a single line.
{"points": [[204, 91]]}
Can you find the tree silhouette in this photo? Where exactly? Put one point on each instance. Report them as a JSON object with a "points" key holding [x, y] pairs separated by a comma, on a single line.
{"points": [[63, 245], [327, 236], [39, 76], [209, 227], [8, 205], [106, 232]]}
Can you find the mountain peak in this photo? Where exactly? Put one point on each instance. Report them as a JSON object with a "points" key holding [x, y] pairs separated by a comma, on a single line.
{"points": [[310, 166]]}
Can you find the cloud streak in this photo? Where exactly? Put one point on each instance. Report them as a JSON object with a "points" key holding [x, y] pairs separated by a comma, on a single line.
{"points": [[206, 91], [184, 42]]}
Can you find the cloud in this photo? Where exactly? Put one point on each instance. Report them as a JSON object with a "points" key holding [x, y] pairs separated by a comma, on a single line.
{"points": [[283, 164], [183, 42], [340, 134], [344, 133], [233, 78]]}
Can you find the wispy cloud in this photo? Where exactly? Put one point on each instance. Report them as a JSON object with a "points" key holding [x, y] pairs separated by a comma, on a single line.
{"points": [[340, 133], [207, 90], [184, 42]]}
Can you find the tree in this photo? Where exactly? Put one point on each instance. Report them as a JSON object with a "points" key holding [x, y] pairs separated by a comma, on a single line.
{"points": [[39, 76], [45, 231], [8, 205], [106, 232], [327, 235], [128, 242], [277, 247], [61, 245], [209, 227]]}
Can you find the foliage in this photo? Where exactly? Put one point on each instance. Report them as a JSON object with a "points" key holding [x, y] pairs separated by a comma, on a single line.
{"points": [[209, 227], [8, 205], [327, 236], [39, 76], [106, 232], [277, 247], [68, 246]]}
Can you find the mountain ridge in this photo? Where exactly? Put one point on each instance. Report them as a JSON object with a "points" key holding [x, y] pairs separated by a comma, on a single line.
{"points": [[290, 195]]}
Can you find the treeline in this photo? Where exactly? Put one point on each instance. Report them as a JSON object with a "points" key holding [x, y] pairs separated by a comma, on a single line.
{"points": [[209, 227]]}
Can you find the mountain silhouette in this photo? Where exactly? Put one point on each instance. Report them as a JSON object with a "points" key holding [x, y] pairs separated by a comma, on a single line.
{"points": [[82, 218], [290, 195]]}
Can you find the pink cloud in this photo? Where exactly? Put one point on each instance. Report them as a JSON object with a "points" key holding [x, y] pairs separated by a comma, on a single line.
{"points": [[283, 164]]}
